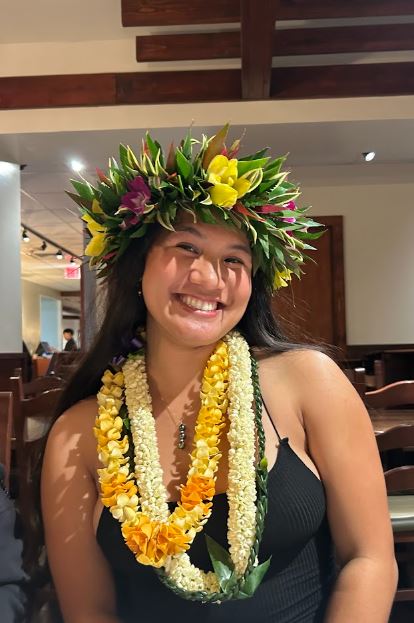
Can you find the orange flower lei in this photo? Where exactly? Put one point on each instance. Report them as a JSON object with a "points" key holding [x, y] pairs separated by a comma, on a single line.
{"points": [[138, 499], [153, 538]]}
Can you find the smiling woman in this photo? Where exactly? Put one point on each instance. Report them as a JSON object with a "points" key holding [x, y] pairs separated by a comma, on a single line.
{"points": [[203, 274], [241, 518]]}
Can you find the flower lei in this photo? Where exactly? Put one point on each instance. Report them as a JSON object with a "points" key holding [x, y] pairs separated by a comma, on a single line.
{"points": [[138, 499]]}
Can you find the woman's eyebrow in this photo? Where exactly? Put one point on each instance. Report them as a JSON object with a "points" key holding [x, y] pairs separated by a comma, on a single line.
{"points": [[192, 230]]}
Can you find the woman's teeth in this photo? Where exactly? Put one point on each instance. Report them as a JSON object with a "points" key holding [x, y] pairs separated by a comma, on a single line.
{"points": [[198, 304]]}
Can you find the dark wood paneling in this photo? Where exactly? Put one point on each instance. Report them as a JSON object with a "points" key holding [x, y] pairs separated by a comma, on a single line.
{"points": [[177, 87], [256, 39], [170, 12], [337, 40], [203, 86], [313, 308], [359, 351], [321, 9], [343, 81], [289, 42], [55, 91], [188, 47]]}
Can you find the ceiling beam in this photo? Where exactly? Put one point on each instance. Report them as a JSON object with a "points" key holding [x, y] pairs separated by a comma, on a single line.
{"points": [[177, 12], [287, 42], [334, 9], [211, 85], [170, 12], [256, 41], [333, 81], [56, 91], [214, 85]]}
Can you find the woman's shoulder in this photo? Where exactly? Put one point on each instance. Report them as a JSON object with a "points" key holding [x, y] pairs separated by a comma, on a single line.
{"points": [[296, 361], [303, 372], [73, 431]]}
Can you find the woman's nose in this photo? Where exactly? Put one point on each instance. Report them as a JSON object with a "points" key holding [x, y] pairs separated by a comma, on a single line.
{"points": [[206, 273]]}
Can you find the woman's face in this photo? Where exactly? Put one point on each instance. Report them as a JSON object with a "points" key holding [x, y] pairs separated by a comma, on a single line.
{"points": [[197, 282]]}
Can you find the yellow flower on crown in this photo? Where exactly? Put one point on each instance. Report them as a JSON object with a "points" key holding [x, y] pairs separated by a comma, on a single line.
{"points": [[227, 187], [282, 278], [97, 243]]}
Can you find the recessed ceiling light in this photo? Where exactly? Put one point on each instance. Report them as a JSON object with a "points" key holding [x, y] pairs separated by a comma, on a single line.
{"points": [[77, 165], [368, 156], [59, 255], [25, 236]]}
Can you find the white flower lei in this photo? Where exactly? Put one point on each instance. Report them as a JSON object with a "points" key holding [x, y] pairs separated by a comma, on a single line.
{"points": [[241, 479]]}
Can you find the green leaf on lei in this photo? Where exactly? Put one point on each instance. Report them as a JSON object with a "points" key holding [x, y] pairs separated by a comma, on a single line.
{"points": [[222, 563], [253, 580]]}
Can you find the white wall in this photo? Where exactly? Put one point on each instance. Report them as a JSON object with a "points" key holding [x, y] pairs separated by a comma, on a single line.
{"points": [[31, 293], [378, 250], [10, 326]]}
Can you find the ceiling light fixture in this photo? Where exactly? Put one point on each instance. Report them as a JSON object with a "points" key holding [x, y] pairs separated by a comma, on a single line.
{"points": [[25, 236], [43, 246], [77, 165], [368, 156], [72, 261], [59, 255]]}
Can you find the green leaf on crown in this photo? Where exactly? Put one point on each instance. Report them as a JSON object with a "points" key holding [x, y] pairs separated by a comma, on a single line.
{"points": [[184, 166], [244, 166], [84, 189], [152, 146], [82, 202], [186, 146], [215, 146], [110, 200], [256, 155]]}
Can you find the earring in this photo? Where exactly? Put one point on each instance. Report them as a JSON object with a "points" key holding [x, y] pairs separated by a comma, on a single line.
{"points": [[140, 288]]}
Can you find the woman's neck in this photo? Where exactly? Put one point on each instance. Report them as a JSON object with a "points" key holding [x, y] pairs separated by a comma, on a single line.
{"points": [[173, 368]]}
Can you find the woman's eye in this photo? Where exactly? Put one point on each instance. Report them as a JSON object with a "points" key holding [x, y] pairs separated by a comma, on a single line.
{"points": [[187, 247], [233, 260]]}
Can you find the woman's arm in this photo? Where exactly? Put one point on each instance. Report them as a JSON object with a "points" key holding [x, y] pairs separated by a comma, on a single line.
{"points": [[80, 572], [342, 444]]}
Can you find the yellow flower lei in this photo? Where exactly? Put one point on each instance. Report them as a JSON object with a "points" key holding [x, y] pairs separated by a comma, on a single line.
{"points": [[139, 500]]}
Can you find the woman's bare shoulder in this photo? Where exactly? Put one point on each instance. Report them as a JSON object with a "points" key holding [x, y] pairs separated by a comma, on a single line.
{"points": [[296, 361], [73, 430], [78, 418]]}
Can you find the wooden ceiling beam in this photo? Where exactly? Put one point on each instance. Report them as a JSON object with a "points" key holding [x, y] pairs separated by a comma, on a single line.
{"points": [[215, 85], [174, 12], [56, 91], [177, 12], [256, 41], [288, 42], [179, 87], [333, 81]]}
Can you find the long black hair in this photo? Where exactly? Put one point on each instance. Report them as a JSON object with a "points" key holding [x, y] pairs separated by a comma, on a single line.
{"points": [[126, 311]]}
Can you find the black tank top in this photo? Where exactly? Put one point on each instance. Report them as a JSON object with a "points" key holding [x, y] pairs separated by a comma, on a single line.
{"points": [[297, 585]]}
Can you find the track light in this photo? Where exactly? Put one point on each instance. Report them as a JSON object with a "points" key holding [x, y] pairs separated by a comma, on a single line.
{"points": [[25, 236], [43, 246], [59, 255], [72, 261], [368, 156]]}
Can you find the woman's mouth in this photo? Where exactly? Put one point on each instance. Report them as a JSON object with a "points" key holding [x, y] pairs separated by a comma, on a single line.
{"points": [[199, 304]]}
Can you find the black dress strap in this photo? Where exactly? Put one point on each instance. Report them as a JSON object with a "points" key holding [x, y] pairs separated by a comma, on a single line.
{"points": [[271, 420]]}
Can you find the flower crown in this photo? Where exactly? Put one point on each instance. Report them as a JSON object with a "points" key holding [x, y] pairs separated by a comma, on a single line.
{"points": [[251, 193]]}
